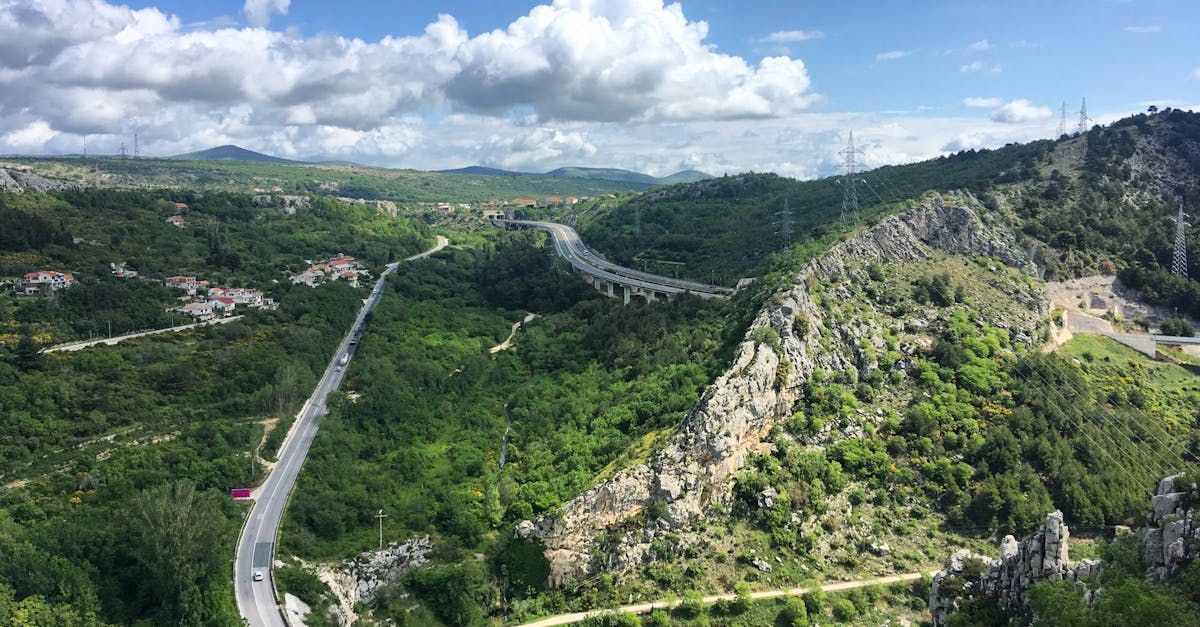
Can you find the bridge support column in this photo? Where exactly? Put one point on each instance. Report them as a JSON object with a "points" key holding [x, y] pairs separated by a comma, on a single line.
{"points": [[609, 285], [626, 299]]}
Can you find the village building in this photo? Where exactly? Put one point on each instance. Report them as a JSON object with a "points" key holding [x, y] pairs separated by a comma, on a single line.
{"points": [[176, 220], [44, 282], [121, 272], [198, 311]]}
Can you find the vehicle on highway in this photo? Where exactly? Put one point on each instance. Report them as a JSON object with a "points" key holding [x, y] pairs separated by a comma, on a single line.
{"points": [[344, 360], [258, 575]]}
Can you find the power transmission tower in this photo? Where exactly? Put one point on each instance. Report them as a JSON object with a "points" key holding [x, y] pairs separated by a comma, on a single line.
{"points": [[122, 150], [1062, 121], [849, 193], [136, 152], [1083, 118], [1179, 263], [785, 227]]}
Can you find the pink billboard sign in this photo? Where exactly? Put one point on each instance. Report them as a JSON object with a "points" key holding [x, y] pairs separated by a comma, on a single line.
{"points": [[240, 493]]}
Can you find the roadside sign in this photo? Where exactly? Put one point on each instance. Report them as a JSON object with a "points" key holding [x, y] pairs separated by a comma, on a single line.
{"points": [[240, 493]]}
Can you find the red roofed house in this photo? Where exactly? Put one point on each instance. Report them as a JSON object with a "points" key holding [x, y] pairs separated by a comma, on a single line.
{"points": [[181, 206], [223, 305], [45, 282], [188, 284], [175, 220], [571, 200], [350, 277], [341, 263], [553, 200], [525, 202]]}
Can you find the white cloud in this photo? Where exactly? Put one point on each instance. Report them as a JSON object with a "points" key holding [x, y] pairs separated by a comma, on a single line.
{"points": [[892, 55], [980, 46], [32, 137], [1196, 74], [981, 67], [259, 12], [1144, 30], [792, 36], [1020, 111], [982, 103]]}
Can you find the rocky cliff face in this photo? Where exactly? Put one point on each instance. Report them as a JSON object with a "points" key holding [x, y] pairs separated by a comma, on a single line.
{"points": [[1044, 556], [1173, 537], [1172, 541], [18, 181], [694, 470]]}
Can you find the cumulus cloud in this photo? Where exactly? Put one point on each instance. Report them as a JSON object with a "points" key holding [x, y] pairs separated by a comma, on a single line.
{"points": [[32, 136], [793, 36], [892, 55], [1020, 111], [92, 68], [980, 46], [979, 67], [1144, 30], [260, 12], [982, 103]]}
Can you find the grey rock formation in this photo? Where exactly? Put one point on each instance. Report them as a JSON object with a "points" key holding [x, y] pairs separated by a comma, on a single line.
{"points": [[19, 181], [372, 570], [694, 469], [1041, 557], [1173, 536]]}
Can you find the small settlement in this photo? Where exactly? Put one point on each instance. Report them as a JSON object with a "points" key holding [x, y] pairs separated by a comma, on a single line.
{"points": [[337, 268], [203, 301]]}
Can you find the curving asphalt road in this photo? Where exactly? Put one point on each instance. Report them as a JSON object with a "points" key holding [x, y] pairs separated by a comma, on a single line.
{"points": [[569, 246], [256, 544]]}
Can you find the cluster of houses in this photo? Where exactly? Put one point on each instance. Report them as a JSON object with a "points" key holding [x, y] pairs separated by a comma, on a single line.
{"points": [[337, 268], [44, 282], [177, 219], [212, 301]]}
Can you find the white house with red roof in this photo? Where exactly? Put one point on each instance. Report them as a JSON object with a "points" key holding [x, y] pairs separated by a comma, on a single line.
{"points": [[176, 220], [45, 282], [223, 305]]}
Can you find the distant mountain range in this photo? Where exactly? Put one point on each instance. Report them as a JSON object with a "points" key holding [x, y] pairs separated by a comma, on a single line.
{"points": [[237, 153], [607, 174]]}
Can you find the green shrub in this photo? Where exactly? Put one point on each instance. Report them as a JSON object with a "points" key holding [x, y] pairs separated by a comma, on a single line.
{"points": [[843, 609]]}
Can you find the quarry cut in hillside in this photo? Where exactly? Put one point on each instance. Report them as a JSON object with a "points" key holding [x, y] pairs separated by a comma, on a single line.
{"points": [[694, 470]]}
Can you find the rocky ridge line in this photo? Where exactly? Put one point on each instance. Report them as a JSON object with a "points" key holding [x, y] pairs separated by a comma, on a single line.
{"points": [[694, 470], [18, 181]]}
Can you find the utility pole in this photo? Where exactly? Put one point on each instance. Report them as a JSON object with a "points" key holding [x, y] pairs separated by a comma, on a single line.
{"points": [[849, 194], [1179, 263], [381, 516], [1083, 118], [1062, 121]]}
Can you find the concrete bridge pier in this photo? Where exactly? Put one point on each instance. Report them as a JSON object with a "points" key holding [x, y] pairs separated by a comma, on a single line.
{"points": [[627, 290]]}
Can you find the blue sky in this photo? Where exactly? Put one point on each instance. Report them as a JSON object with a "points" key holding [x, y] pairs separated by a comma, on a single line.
{"points": [[768, 85]]}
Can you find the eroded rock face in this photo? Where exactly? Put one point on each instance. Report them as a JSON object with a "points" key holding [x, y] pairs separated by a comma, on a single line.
{"points": [[695, 468], [1173, 537], [19, 181], [375, 569], [1044, 556]]}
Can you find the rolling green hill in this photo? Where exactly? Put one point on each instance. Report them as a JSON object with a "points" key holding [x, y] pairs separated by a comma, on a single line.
{"points": [[232, 153]]}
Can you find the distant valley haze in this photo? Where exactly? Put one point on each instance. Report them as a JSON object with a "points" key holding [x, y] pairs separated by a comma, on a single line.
{"points": [[638, 85]]}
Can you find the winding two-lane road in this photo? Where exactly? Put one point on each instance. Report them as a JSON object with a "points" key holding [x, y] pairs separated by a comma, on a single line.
{"points": [[256, 544]]}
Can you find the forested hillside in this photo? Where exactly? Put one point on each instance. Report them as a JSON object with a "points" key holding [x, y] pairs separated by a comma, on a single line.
{"points": [[1104, 199], [116, 462]]}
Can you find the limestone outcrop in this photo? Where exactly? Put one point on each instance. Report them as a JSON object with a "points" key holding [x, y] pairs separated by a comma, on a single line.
{"points": [[1044, 556], [18, 181], [693, 471], [1173, 536]]}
